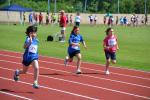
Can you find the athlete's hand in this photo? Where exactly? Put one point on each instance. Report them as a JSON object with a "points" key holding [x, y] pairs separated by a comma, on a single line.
{"points": [[30, 35], [85, 47]]}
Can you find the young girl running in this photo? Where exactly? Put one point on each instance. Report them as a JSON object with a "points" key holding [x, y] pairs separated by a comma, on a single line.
{"points": [[110, 47], [30, 55], [74, 48]]}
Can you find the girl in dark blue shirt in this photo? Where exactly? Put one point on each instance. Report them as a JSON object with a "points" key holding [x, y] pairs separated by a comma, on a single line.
{"points": [[74, 48]]}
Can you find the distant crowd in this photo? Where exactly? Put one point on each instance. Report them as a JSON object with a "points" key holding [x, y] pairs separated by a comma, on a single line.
{"points": [[110, 20], [134, 20]]}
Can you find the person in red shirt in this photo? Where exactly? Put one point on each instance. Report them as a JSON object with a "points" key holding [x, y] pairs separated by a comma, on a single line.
{"points": [[63, 24], [110, 45], [40, 18]]}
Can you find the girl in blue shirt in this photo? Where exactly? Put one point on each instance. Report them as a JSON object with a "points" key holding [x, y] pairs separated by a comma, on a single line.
{"points": [[30, 55], [74, 48]]}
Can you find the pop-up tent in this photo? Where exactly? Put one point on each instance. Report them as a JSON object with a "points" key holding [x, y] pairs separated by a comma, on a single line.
{"points": [[15, 7]]}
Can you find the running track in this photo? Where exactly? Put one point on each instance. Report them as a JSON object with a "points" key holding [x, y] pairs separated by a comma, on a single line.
{"points": [[58, 82]]}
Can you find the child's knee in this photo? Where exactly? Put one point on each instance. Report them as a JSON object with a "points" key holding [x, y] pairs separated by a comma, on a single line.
{"points": [[24, 72], [114, 61]]}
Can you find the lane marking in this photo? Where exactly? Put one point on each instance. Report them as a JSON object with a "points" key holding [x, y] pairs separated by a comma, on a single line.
{"points": [[18, 96], [87, 75], [41, 86], [89, 85], [84, 68], [121, 67]]}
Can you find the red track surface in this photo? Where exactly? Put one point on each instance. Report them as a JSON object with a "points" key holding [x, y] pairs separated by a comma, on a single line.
{"points": [[61, 83]]}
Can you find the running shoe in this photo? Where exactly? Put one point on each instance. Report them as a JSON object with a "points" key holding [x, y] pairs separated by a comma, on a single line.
{"points": [[107, 72], [35, 85], [16, 75], [78, 71], [66, 61]]}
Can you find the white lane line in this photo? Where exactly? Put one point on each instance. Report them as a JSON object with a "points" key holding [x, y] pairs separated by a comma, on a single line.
{"points": [[121, 67], [18, 96], [87, 76], [132, 76], [53, 89], [89, 85]]}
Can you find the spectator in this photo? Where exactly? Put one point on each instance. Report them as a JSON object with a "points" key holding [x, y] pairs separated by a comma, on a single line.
{"points": [[40, 18], [71, 19], [77, 20], [63, 24], [91, 19], [95, 20]]}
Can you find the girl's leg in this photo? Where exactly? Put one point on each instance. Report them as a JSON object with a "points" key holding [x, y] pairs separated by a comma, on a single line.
{"points": [[24, 70], [36, 73], [113, 61], [78, 63], [36, 70], [67, 59], [18, 72], [107, 66]]}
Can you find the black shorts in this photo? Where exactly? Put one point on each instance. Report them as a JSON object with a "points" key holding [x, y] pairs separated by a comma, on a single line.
{"points": [[77, 23], [72, 54], [111, 55]]}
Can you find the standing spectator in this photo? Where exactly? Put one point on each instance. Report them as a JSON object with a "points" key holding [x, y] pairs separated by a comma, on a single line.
{"points": [[74, 48], [110, 21], [121, 20], [110, 47], [36, 18], [30, 18], [133, 19], [54, 18], [67, 18], [77, 20], [104, 20], [117, 19], [24, 18], [47, 18], [71, 19], [125, 21], [142, 20], [146, 19], [63, 24], [95, 19], [40, 18], [91, 19], [136, 20]]}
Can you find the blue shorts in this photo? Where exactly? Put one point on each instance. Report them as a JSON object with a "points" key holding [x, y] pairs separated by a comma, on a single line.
{"points": [[72, 54], [110, 55], [28, 58]]}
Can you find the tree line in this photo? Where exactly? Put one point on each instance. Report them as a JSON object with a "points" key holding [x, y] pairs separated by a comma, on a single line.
{"points": [[86, 6]]}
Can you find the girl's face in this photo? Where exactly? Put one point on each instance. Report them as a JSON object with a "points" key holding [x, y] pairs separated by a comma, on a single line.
{"points": [[111, 32], [33, 34], [77, 30]]}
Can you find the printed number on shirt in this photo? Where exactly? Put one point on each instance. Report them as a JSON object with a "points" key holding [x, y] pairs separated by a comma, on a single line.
{"points": [[112, 42], [33, 48], [75, 47]]}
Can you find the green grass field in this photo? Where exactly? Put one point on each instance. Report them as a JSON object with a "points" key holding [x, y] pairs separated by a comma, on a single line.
{"points": [[133, 43]]}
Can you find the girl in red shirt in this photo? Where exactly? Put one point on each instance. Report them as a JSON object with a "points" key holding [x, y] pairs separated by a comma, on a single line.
{"points": [[110, 47]]}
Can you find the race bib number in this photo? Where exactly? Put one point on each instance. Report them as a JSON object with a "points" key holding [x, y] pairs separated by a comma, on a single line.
{"points": [[75, 47], [33, 48], [112, 42]]}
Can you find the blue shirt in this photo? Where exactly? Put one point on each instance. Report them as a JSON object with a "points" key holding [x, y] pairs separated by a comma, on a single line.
{"points": [[31, 52], [74, 38]]}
